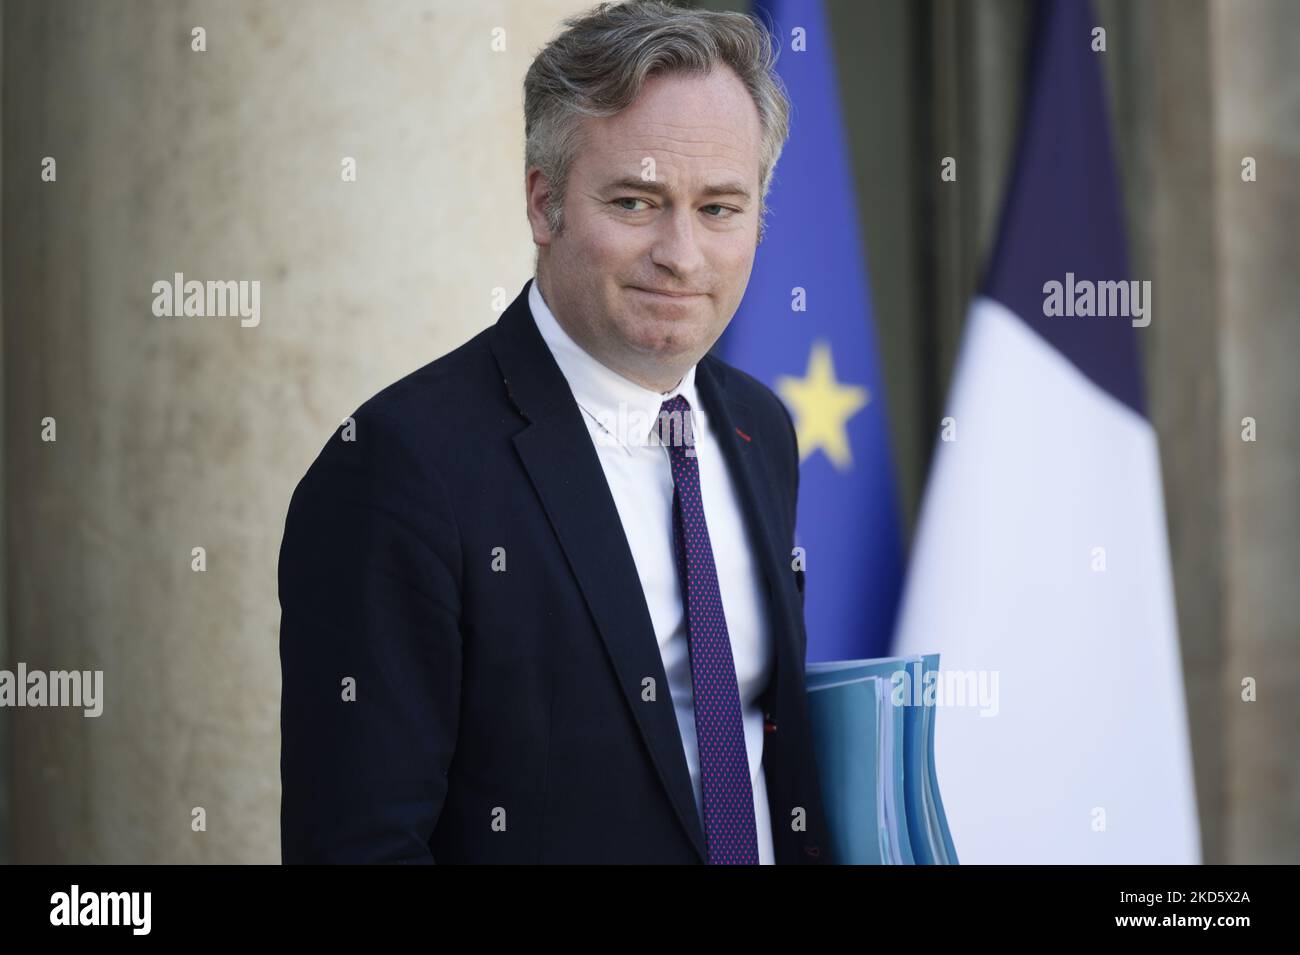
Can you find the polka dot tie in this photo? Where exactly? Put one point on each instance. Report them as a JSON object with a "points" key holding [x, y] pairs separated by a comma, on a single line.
{"points": [[724, 766]]}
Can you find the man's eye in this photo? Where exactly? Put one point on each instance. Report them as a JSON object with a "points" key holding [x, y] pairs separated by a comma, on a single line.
{"points": [[729, 212], [629, 199]]}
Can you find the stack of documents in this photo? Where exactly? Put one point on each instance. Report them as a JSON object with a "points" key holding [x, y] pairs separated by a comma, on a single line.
{"points": [[873, 733]]}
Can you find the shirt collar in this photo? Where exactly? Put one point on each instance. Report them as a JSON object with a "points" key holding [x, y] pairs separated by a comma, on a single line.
{"points": [[626, 411]]}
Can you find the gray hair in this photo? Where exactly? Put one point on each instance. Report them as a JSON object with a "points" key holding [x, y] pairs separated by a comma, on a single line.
{"points": [[598, 66]]}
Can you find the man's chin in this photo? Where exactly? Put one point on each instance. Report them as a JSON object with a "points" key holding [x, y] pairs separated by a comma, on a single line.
{"points": [[667, 352]]}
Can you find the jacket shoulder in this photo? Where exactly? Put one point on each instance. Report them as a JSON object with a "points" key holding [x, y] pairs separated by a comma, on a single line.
{"points": [[422, 422], [451, 386]]}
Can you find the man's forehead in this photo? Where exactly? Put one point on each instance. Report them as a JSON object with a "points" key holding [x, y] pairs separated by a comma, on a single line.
{"points": [[717, 93], [683, 138], [676, 139], [675, 154], [632, 154], [684, 109]]}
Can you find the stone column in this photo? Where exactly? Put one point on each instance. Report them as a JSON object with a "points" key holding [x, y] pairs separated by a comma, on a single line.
{"points": [[174, 433], [1257, 115]]}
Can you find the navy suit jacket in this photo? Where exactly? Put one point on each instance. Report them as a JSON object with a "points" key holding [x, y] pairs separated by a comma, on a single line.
{"points": [[436, 709]]}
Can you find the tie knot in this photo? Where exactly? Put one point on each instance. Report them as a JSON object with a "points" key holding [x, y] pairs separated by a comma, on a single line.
{"points": [[677, 403], [674, 424]]}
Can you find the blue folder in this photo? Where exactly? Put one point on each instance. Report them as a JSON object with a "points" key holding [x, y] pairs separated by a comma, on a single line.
{"points": [[874, 747]]}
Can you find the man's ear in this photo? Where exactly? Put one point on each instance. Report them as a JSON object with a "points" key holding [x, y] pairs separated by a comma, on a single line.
{"points": [[537, 191]]}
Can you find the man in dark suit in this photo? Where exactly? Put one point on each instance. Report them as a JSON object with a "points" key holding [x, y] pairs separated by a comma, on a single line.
{"points": [[538, 598]]}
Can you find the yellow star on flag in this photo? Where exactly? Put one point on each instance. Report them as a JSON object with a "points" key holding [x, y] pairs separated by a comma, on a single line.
{"points": [[822, 407]]}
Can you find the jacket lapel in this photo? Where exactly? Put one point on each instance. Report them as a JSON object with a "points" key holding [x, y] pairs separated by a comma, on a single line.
{"points": [[557, 452], [786, 736], [731, 418]]}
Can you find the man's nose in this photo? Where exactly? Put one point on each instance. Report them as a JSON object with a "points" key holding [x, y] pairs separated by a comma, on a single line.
{"points": [[677, 245]]}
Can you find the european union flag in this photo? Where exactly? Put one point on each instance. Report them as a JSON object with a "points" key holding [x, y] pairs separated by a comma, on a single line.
{"points": [[805, 328]]}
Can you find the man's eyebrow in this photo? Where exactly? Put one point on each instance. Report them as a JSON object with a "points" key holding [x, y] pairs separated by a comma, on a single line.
{"points": [[636, 183]]}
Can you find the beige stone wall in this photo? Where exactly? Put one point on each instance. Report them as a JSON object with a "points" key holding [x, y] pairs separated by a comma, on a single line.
{"points": [[1257, 114], [174, 433]]}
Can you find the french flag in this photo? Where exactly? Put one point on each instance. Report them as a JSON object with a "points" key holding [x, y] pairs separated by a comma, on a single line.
{"points": [[1040, 570]]}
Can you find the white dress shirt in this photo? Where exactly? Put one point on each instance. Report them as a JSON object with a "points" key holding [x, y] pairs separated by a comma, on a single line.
{"points": [[621, 415]]}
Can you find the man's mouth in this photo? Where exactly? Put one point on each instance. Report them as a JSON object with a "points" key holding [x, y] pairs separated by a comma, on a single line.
{"points": [[660, 293]]}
